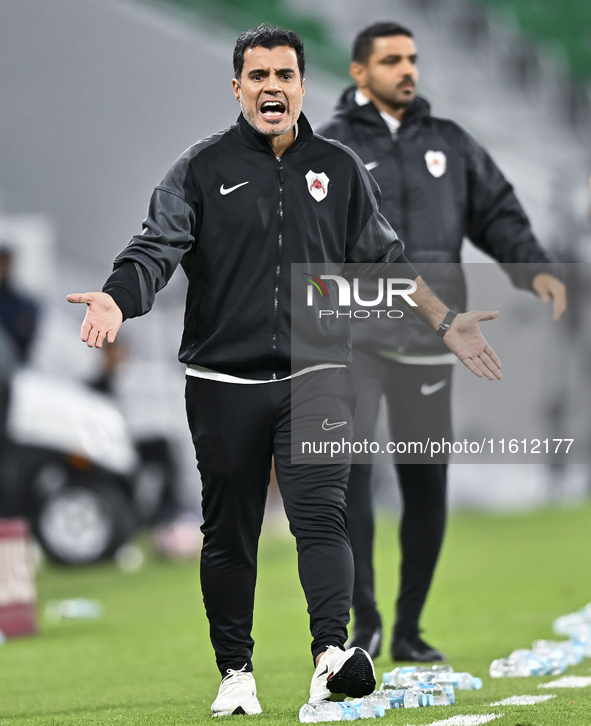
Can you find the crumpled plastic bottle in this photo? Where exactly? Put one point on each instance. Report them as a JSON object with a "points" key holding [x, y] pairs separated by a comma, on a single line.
{"points": [[408, 697], [520, 663], [565, 624], [372, 706], [327, 711], [394, 677], [367, 707], [408, 675], [440, 695], [555, 654], [78, 607]]}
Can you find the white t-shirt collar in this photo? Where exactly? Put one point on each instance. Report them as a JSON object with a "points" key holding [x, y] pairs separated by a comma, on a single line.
{"points": [[393, 123]]}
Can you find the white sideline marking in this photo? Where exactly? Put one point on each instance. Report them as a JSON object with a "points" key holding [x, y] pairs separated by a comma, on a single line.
{"points": [[523, 700], [568, 682], [466, 720]]}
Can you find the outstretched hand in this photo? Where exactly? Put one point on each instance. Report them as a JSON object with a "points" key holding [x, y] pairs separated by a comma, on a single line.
{"points": [[102, 320], [465, 339], [548, 287]]}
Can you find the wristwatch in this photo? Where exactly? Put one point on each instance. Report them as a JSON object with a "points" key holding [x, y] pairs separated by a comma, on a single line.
{"points": [[445, 324]]}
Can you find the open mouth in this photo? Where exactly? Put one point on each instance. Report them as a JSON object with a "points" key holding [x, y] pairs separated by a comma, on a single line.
{"points": [[272, 110]]}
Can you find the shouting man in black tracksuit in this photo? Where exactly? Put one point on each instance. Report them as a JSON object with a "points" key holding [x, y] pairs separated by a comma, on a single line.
{"points": [[438, 185], [236, 210]]}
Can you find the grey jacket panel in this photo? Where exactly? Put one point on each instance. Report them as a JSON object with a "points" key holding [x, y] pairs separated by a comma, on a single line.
{"points": [[168, 231], [157, 251]]}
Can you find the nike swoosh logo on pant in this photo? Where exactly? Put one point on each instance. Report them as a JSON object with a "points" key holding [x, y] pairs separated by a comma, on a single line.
{"points": [[328, 426], [427, 390]]}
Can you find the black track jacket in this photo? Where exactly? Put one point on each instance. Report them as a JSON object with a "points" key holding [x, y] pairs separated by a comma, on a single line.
{"points": [[235, 216], [432, 213]]}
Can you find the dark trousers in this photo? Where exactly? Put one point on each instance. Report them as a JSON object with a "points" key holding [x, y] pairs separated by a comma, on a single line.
{"points": [[237, 429], [412, 416]]}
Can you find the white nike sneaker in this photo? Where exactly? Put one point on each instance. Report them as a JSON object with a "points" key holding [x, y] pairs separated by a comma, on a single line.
{"points": [[237, 695], [342, 671]]}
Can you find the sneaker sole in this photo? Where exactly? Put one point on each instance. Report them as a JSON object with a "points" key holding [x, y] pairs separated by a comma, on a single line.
{"points": [[252, 710], [239, 711], [372, 646], [356, 678]]}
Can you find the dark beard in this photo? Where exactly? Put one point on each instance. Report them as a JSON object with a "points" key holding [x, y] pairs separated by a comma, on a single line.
{"points": [[396, 105]]}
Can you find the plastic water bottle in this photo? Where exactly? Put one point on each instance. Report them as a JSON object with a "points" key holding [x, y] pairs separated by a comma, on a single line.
{"points": [[78, 607], [408, 680], [433, 686], [407, 697], [442, 668], [377, 698], [451, 693], [461, 681], [574, 651], [507, 668], [520, 663], [439, 696], [564, 624], [414, 678], [539, 665], [395, 696], [328, 711], [581, 637], [554, 653], [371, 706], [577, 626], [414, 697], [393, 677]]}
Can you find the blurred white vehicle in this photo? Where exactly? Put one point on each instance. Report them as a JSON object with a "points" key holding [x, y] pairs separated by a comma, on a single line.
{"points": [[70, 466]]}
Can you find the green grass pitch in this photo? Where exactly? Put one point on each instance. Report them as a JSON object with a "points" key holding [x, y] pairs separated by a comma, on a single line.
{"points": [[501, 581]]}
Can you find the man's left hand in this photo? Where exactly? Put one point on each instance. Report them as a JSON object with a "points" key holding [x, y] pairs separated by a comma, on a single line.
{"points": [[465, 339], [549, 287]]}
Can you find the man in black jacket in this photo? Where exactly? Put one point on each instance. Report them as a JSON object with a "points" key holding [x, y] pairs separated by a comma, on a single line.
{"points": [[438, 185], [236, 210]]}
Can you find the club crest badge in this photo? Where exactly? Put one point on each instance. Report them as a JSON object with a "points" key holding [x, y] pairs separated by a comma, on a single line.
{"points": [[317, 185], [436, 163]]}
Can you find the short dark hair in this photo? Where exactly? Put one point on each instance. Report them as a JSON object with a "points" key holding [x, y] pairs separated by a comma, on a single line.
{"points": [[363, 43], [269, 37]]}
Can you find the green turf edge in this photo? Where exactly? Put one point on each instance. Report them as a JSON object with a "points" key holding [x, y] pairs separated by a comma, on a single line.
{"points": [[501, 582]]}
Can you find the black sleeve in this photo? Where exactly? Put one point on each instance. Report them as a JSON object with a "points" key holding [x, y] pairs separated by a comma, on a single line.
{"points": [[147, 263], [495, 220], [406, 268], [123, 286]]}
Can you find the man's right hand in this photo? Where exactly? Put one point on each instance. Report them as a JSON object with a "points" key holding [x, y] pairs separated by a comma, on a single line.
{"points": [[103, 318], [465, 339]]}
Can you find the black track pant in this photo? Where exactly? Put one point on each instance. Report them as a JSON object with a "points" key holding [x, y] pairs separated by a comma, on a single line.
{"points": [[236, 429], [412, 416]]}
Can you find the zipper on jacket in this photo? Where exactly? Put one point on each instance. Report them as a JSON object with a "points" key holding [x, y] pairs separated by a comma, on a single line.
{"points": [[281, 179], [403, 190]]}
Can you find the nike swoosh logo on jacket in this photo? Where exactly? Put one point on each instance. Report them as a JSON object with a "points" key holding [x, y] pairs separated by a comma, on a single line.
{"points": [[231, 189]]}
